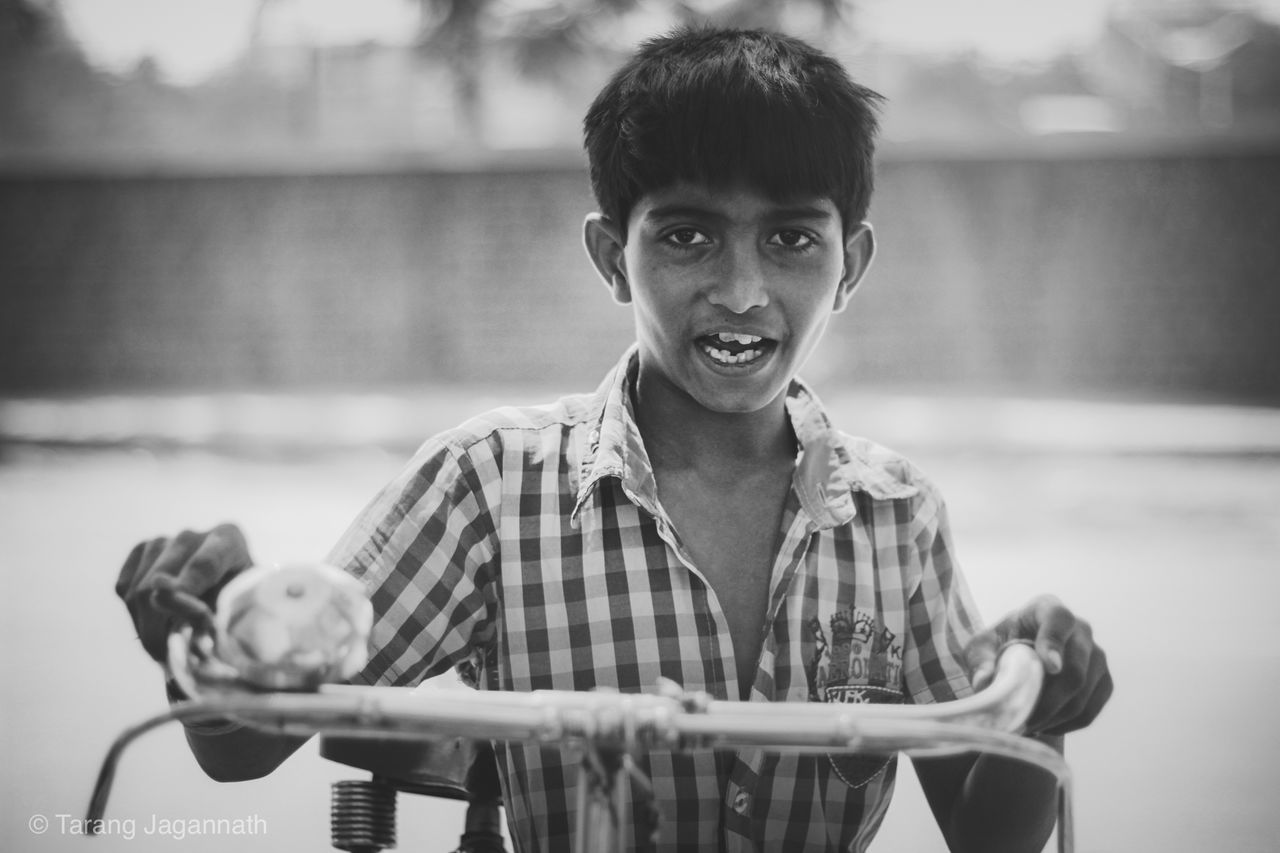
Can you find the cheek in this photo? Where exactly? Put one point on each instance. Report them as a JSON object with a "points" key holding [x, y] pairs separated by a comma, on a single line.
{"points": [[809, 315], [658, 289], [812, 331], [815, 278], [817, 298]]}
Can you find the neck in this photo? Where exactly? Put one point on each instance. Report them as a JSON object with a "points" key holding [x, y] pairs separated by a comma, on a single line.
{"points": [[679, 432]]}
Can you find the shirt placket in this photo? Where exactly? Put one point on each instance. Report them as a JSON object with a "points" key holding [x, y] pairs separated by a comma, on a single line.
{"points": [[723, 661], [740, 791]]}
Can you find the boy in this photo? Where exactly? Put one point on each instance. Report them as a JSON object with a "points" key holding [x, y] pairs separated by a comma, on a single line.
{"points": [[697, 518]]}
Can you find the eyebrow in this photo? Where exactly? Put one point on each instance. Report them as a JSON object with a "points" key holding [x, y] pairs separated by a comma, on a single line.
{"points": [[681, 209]]}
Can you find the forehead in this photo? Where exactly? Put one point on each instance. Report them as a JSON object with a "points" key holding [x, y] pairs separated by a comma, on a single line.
{"points": [[739, 201]]}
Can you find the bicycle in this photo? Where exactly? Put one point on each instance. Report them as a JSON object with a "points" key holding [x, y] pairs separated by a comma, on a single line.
{"points": [[608, 730]]}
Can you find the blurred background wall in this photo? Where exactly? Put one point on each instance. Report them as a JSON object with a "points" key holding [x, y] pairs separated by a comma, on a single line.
{"points": [[1136, 272]]}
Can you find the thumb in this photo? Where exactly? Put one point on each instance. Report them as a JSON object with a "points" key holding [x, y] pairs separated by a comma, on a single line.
{"points": [[1054, 624], [180, 605], [980, 656]]}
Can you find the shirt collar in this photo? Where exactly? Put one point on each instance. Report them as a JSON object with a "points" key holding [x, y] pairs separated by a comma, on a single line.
{"points": [[829, 468]]}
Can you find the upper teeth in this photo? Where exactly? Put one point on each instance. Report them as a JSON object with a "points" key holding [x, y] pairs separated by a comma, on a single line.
{"points": [[733, 337]]}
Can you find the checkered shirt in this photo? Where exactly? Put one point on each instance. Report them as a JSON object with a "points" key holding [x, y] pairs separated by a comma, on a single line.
{"points": [[529, 544]]}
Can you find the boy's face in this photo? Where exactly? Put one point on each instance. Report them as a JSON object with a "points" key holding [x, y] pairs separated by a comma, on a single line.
{"points": [[731, 289]]}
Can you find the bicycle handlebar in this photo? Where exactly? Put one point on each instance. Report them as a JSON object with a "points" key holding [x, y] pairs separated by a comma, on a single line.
{"points": [[670, 718], [986, 721], [294, 628]]}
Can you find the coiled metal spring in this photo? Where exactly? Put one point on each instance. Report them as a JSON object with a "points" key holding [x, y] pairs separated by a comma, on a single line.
{"points": [[362, 816]]}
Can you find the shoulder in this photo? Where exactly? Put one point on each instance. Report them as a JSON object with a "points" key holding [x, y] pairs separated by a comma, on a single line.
{"points": [[486, 438], [883, 477], [469, 466], [506, 422], [851, 465], [884, 473]]}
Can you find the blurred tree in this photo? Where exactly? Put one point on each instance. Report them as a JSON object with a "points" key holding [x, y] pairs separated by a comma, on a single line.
{"points": [[1201, 66], [550, 39], [30, 27], [41, 70], [20, 24]]}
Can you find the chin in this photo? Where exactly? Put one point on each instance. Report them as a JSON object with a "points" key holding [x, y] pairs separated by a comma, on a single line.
{"points": [[738, 403]]}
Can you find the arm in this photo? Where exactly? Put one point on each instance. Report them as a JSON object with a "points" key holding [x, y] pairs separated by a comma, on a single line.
{"points": [[229, 752], [988, 803], [165, 583], [422, 548], [426, 550], [241, 753]]}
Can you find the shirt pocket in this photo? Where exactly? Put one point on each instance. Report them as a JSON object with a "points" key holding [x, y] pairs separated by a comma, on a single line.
{"points": [[856, 769]]}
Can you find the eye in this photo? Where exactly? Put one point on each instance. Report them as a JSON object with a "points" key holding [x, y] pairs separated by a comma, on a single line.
{"points": [[683, 237], [792, 238]]}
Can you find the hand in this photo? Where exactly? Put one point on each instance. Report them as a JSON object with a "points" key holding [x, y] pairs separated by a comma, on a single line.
{"points": [[169, 582], [1077, 681]]}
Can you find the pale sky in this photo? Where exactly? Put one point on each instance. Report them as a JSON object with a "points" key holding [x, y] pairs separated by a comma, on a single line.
{"points": [[1005, 30], [191, 40]]}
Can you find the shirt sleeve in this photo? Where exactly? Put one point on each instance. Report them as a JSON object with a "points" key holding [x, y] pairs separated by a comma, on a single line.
{"points": [[425, 549], [942, 617]]}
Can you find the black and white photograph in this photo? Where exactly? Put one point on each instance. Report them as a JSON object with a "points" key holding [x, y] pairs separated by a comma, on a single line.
{"points": [[526, 426]]}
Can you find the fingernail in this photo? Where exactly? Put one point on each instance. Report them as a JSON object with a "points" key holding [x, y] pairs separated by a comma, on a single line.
{"points": [[1055, 661]]}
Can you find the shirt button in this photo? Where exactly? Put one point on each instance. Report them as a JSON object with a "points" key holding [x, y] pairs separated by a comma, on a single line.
{"points": [[742, 802]]}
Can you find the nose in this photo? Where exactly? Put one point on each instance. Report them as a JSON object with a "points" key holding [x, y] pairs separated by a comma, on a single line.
{"points": [[740, 283]]}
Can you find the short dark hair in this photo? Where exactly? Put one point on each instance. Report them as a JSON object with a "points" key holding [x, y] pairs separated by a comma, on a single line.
{"points": [[723, 106]]}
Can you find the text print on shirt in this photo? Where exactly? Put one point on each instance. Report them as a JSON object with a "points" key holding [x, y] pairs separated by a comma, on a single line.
{"points": [[861, 662]]}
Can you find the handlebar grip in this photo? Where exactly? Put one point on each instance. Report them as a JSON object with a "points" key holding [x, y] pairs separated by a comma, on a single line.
{"points": [[1016, 686]]}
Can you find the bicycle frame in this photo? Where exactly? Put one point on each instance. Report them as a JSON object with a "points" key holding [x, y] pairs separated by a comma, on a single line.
{"points": [[609, 728]]}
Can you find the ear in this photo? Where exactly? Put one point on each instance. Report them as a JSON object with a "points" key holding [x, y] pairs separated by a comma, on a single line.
{"points": [[605, 245], [859, 249]]}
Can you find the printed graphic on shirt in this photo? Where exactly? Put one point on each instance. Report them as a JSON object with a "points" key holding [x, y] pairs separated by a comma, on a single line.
{"points": [[861, 662], [854, 659]]}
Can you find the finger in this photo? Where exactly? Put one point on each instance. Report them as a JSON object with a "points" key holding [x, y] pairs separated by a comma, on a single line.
{"points": [[980, 656], [180, 606], [1089, 711], [138, 565], [1065, 694], [1084, 705], [132, 564], [152, 624], [163, 559], [134, 583], [221, 553], [163, 609], [171, 558], [1054, 627]]}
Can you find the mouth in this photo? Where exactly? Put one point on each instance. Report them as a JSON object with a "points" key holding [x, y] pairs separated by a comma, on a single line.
{"points": [[735, 349]]}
